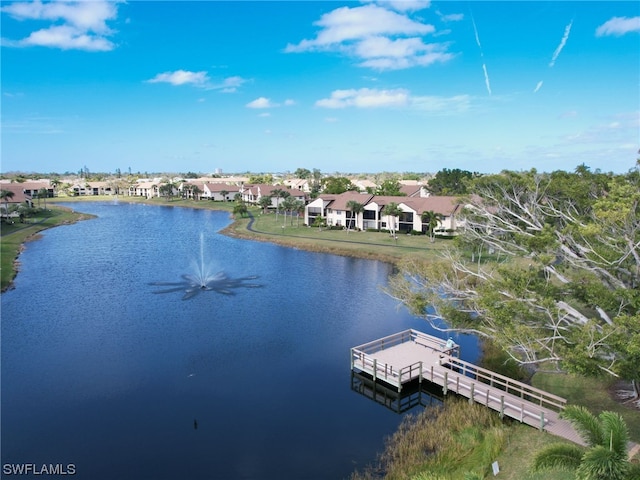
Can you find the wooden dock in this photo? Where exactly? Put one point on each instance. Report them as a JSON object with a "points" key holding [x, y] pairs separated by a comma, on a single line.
{"points": [[406, 356]]}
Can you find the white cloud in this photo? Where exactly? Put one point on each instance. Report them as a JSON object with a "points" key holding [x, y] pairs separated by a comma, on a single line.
{"points": [[619, 26], [365, 98], [84, 24], [563, 42], [433, 104], [405, 5], [261, 102], [182, 77], [381, 38], [395, 98], [452, 17], [264, 102], [538, 87], [229, 84]]}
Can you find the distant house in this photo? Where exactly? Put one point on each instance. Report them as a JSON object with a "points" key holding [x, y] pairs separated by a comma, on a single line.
{"points": [[146, 189], [19, 197], [318, 208], [301, 184], [336, 212], [93, 188], [33, 189], [364, 185], [222, 192], [253, 193]]}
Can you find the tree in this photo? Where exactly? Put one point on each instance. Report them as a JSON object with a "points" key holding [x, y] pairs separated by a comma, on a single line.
{"points": [[224, 194], [166, 189], [392, 210], [606, 454], [6, 195], [356, 208], [265, 179], [390, 187], [431, 219], [316, 182], [299, 209], [265, 202], [302, 173], [450, 182], [565, 290], [289, 204], [43, 193], [337, 185], [196, 192], [240, 209], [319, 222]]}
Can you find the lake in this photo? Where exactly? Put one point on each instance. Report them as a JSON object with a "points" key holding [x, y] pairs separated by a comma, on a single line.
{"points": [[102, 372]]}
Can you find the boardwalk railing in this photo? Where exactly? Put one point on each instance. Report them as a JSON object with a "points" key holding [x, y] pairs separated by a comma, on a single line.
{"points": [[509, 397], [508, 385], [361, 356]]}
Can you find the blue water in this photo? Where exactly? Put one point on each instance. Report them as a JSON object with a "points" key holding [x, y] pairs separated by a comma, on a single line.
{"points": [[100, 372]]}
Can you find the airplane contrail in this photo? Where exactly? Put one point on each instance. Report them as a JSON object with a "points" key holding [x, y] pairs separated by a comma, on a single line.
{"points": [[538, 86], [565, 37], [486, 78], [484, 65]]}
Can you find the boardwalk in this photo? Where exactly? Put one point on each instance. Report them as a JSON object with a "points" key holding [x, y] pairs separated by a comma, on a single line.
{"points": [[404, 357]]}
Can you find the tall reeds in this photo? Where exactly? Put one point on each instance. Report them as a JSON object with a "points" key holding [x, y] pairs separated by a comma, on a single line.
{"points": [[456, 441]]}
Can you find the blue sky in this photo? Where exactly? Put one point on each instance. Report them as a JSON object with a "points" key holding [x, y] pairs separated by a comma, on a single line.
{"points": [[404, 86]]}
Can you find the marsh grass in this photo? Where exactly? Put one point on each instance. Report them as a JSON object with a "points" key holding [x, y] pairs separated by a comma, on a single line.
{"points": [[449, 442]]}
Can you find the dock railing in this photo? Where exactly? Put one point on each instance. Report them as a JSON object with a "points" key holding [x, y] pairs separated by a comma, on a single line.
{"points": [[508, 385], [449, 359], [360, 356]]}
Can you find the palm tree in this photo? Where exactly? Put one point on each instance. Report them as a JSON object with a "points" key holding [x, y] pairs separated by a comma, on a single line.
{"points": [[264, 202], [44, 193], [224, 194], [605, 456], [392, 210], [6, 195], [431, 219], [356, 209], [196, 192], [289, 205], [299, 208]]}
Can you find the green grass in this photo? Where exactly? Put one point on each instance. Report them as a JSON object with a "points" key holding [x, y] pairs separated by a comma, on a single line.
{"points": [[364, 244], [593, 393]]}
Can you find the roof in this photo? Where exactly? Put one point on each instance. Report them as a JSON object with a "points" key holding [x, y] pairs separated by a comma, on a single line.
{"points": [[18, 193], [219, 187], [341, 201], [445, 205]]}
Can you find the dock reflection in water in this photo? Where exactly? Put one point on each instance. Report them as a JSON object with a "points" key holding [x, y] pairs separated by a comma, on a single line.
{"points": [[412, 394]]}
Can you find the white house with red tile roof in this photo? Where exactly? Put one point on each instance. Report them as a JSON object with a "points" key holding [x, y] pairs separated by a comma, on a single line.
{"points": [[218, 191], [253, 193], [19, 196], [334, 209]]}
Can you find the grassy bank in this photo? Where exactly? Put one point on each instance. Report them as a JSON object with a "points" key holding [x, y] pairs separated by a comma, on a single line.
{"points": [[15, 235]]}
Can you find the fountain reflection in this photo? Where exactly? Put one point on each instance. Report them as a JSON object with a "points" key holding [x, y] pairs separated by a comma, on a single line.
{"points": [[412, 394]]}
